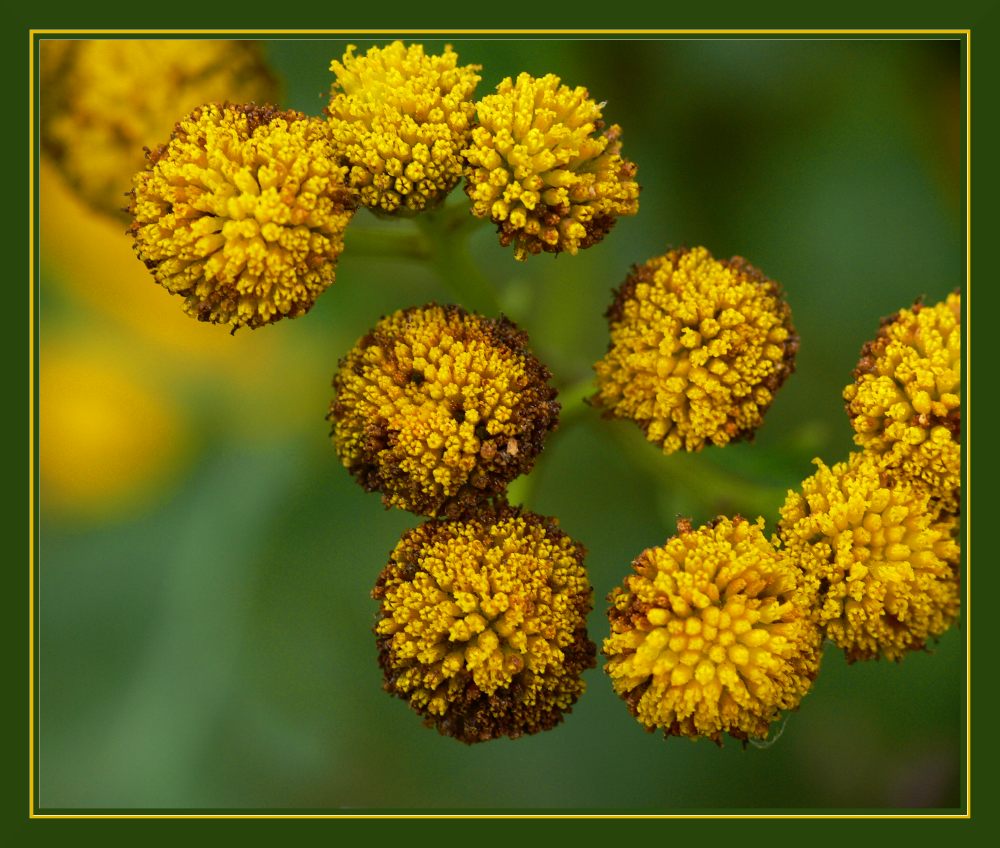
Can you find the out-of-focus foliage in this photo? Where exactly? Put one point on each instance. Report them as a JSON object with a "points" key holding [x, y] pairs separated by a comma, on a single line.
{"points": [[206, 563]]}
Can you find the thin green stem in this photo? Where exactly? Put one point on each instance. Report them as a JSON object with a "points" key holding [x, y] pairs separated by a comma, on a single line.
{"points": [[445, 236], [700, 477], [458, 218], [573, 399], [385, 242]]}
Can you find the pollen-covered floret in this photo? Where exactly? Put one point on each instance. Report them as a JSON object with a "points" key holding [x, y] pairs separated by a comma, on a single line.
{"points": [[905, 401], [439, 409], [242, 213], [399, 120], [542, 167], [104, 100], [482, 624], [698, 349], [712, 633], [882, 569]]}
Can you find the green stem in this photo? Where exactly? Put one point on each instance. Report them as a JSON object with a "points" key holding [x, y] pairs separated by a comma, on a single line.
{"points": [[445, 237], [701, 478], [384, 243], [573, 399], [457, 217]]}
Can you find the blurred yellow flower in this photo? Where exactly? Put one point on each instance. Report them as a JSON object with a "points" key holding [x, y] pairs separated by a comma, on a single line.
{"points": [[882, 568], [541, 166], [242, 213], [109, 441], [905, 401], [399, 120], [698, 348], [103, 100], [482, 624], [712, 633]]}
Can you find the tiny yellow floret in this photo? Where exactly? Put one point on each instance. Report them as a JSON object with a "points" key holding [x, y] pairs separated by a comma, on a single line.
{"points": [[399, 119], [242, 213], [482, 624], [439, 409], [542, 167], [905, 401], [712, 633], [698, 349], [104, 100], [881, 566]]}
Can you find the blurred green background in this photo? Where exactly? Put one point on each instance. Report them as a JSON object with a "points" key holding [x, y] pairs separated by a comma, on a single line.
{"points": [[206, 563]]}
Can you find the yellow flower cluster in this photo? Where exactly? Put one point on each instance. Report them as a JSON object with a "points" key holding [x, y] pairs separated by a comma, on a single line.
{"points": [[905, 400], [883, 570], [103, 100], [439, 409], [242, 213], [698, 349], [482, 624], [399, 120], [542, 168], [482, 620], [712, 633]]}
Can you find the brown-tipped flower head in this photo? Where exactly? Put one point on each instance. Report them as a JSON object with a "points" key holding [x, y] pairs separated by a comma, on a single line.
{"points": [[698, 348], [482, 624], [882, 569], [905, 400], [242, 213], [542, 167], [103, 100], [439, 409], [399, 120], [712, 633]]}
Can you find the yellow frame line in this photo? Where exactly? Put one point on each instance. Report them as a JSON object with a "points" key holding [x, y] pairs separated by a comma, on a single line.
{"points": [[31, 398]]}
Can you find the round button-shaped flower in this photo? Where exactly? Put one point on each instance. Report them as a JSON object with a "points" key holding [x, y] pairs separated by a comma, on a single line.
{"points": [[698, 349], [905, 401], [242, 213], [439, 409], [882, 567], [482, 624], [544, 169], [103, 100], [399, 119], [712, 633]]}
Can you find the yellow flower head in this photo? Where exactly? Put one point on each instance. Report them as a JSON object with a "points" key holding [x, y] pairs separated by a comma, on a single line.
{"points": [[542, 167], [242, 213], [905, 400], [883, 571], [698, 348], [439, 409], [712, 633], [399, 120], [482, 624], [104, 100]]}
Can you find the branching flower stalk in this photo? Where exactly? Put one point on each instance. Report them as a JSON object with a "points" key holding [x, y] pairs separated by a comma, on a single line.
{"points": [[444, 409], [446, 237]]}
